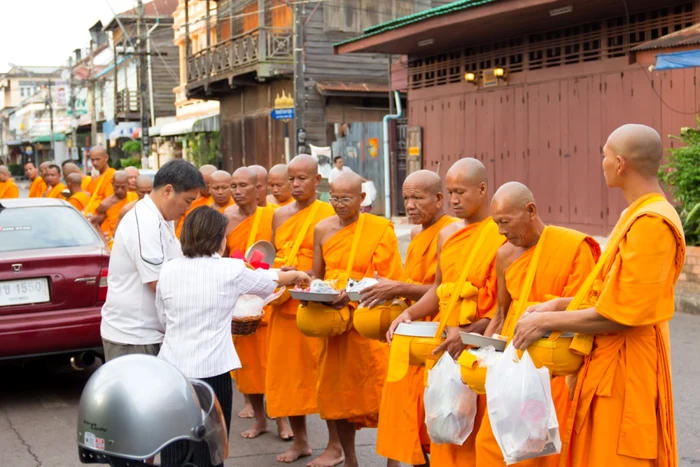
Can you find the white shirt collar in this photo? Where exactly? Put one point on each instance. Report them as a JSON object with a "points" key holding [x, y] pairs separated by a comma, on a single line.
{"points": [[148, 202]]}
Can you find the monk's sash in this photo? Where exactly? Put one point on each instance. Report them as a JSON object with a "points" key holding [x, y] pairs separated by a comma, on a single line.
{"points": [[254, 229], [94, 201], [35, 190], [56, 191], [291, 257], [6, 186]]}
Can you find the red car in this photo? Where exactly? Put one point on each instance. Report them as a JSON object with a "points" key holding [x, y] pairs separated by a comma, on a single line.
{"points": [[53, 280]]}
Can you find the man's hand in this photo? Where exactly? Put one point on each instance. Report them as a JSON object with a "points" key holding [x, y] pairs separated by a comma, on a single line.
{"points": [[404, 317], [382, 291], [341, 301], [550, 305], [530, 327], [452, 345]]}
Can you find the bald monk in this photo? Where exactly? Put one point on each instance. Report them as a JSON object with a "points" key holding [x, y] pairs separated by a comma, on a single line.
{"points": [[401, 434], [467, 187], [278, 182], [108, 211], [292, 359], [144, 186], [560, 259], [622, 410], [69, 168], [352, 368], [100, 187], [42, 168], [204, 197], [38, 186], [78, 198], [220, 190], [8, 189], [54, 187], [247, 224], [261, 172], [133, 175]]}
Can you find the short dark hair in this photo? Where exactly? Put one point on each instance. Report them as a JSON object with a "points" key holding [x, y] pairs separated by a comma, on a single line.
{"points": [[335, 159], [179, 173], [29, 162], [68, 161], [54, 166], [203, 231]]}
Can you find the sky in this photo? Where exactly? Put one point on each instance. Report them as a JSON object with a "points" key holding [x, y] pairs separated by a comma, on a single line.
{"points": [[45, 32]]}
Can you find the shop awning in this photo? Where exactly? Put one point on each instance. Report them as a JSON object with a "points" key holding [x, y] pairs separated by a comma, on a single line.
{"points": [[47, 138], [191, 125], [678, 60], [207, 124]]}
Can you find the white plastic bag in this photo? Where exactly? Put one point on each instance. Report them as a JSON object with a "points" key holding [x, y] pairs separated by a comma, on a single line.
{"points": [[450, 405], [252, 305], [521, 409]]}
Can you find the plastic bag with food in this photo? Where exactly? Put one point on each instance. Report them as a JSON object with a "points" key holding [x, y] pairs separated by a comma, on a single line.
{"points": [[252, 305]]}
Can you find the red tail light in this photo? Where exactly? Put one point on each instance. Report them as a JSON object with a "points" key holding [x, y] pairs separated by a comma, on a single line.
{"points": [[102, 293]]}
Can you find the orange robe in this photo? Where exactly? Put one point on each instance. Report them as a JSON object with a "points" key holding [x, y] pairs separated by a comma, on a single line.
{"points": [[37, 188], [252, 350], [109, 225], [565, 260], [230, 202], [79, 200], [56, 191], [401, 432], [99, 189], [85, 183], [292, 358], [352, 368], [8, 189], [201, 201], [453, 258], [622, 411]]}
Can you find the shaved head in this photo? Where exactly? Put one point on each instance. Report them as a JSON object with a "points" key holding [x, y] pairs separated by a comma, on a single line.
{"points": [[262, 183], [120, 183], [423, 197], [247, 174], [426, 180], [470, 170], [30, 171], [42, 168], [121, 176], [467, 185], [279, 170], [133, 175], [640, 146], [220, 187], [260, 171], [244, 186], [514, 210], [70, 168], [303, 177], [304, 162], [74, 180], [347, 196], [4, 173], [206, 171], [513, 194], [144, 185], [350, 182], [99, 158], [220, 176], [278, 181]]}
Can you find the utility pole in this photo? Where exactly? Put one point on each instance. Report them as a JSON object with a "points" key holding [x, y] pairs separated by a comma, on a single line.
{"points": [[93, 100], [49, 104], [73, 114], [143, 82], [299, 87]]}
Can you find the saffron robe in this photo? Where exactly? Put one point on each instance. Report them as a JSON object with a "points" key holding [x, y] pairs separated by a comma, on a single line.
{"points": [[85, 182], [109, 225], [201, 201], [8, 189], [79, 200], [565, 260], [482, 276], [56, 192], [352, 368], [37, 188], [622, 411], [292, 358], [402, 431], [252, 350], [222, 208], [99, 189]]}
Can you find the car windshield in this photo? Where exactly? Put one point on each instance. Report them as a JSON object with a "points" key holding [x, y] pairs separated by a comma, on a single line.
{"points": [[40, 227]]}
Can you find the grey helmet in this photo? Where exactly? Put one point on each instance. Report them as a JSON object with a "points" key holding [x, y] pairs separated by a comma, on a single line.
{"points": [[134, 406]]}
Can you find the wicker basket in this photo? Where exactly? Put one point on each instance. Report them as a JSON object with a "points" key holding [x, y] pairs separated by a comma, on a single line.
{"points": [[245, 326]]}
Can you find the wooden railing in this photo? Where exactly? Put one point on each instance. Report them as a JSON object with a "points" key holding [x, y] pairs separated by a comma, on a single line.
{"points": [[241, 53], [127, 101]]}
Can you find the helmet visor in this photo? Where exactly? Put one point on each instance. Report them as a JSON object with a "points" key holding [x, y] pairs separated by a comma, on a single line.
{"points": [[214, 433]]}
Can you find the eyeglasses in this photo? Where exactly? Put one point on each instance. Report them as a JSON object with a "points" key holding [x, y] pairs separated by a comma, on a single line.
{"points": [[343, 201]]}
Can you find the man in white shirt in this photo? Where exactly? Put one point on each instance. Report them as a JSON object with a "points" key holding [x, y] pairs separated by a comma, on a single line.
{"points": [[144, 241], [338, 169]]}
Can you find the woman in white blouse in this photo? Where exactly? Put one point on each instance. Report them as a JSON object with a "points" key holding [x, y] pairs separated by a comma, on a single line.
{"points": [[195, 298]]}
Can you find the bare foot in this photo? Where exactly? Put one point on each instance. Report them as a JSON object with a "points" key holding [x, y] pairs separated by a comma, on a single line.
{"points": [[256, 430], [392, 463], [247, 411], [293, 453], [284, 430], [330, 457]]}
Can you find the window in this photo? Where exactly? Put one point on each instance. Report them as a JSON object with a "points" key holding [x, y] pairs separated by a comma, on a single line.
{"points": [[251, 19], [358, 15], [281, 14]]}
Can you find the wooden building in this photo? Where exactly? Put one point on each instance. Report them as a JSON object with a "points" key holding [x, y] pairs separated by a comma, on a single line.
{"points": [[533, 88]]}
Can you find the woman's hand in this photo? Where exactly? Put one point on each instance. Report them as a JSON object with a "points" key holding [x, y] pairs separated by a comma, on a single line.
{"points": [[301, 279]]}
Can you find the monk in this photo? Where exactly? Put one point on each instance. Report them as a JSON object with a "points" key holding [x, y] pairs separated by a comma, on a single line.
{"points": [[133, 175], [278, 182], [69, 168], [352, 368], [220, 190], [292, 359], [100, 187], [144, 186], [78, 198], [54, 187], [261, 172], [622, 410], [401, 434], [42, 168], [466, 184], [560, 260], [204, 197], [108, 211], [8, 189], [38, 186]]}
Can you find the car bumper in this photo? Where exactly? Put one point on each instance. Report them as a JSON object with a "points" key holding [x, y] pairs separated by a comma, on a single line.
{"points": [[49, 332]]}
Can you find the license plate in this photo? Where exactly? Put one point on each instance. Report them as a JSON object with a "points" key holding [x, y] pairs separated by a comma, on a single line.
{"points": [[22, 292]]}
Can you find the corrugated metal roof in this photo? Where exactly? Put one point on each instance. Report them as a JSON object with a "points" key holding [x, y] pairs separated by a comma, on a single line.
{"points": [[453, 7], [682, 38], [342, 86]]}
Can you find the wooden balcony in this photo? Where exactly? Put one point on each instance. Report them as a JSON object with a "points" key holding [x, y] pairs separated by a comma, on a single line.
{"points": [[260, 53], [126, 105]]}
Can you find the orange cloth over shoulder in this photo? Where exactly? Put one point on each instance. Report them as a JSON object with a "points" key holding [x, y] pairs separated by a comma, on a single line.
{"points": [[252, 350], [79, 200], [85, 182], [352, 368], [622, 411], [109, 225], [37, 188], [231, 202], [292, 358], [201, 201], [56, 191], [453, 258], [8, 189], [565, 260], [99, 189], [401, 431]]}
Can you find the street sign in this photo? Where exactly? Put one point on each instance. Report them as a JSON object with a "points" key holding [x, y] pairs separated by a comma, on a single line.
{"points": [[282, 114]]}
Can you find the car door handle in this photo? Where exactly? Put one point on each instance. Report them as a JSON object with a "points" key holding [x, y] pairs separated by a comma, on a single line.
{"points": [[87, 280]]}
